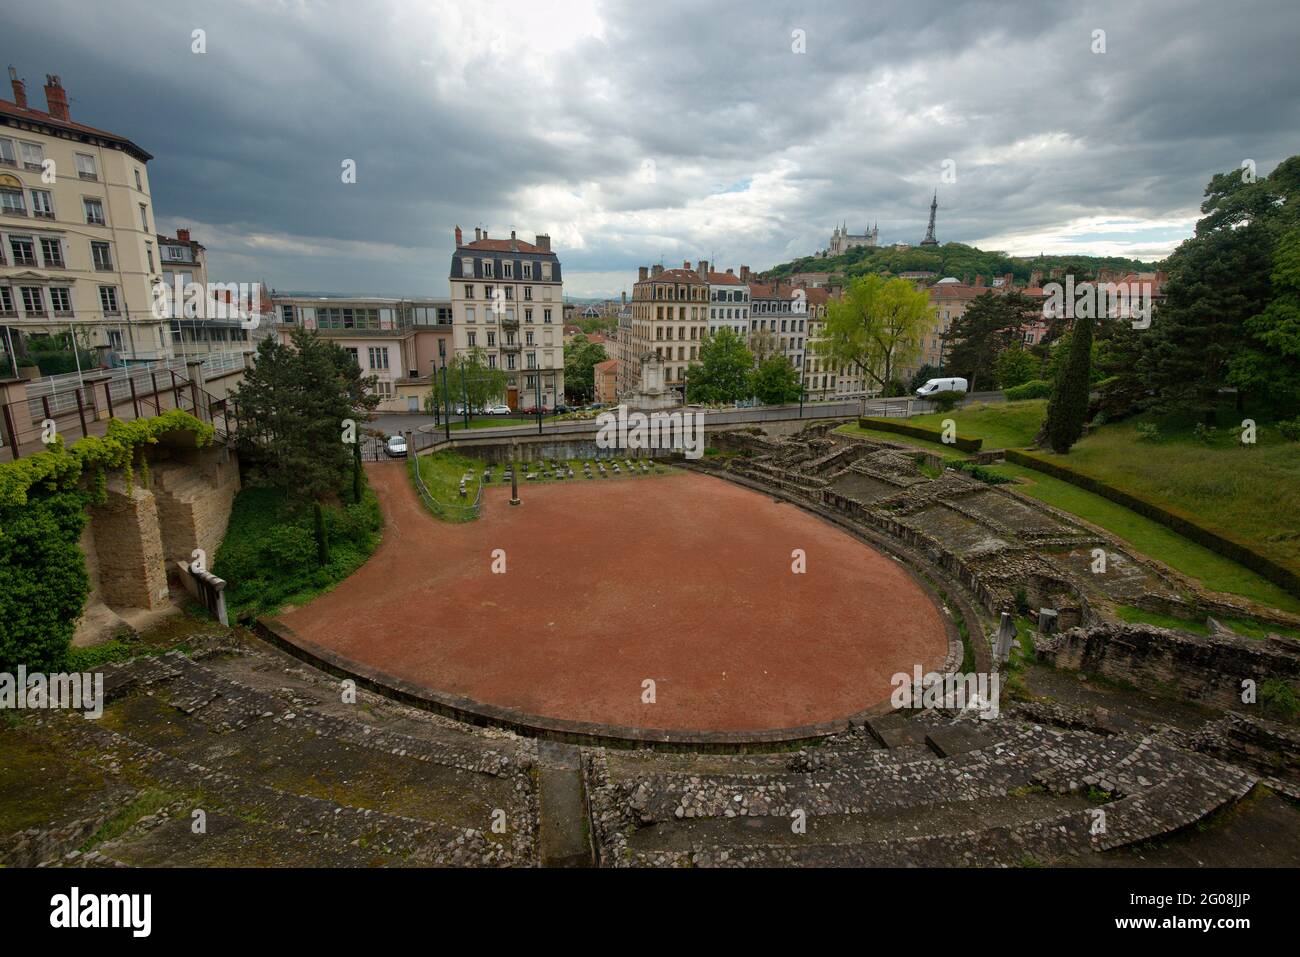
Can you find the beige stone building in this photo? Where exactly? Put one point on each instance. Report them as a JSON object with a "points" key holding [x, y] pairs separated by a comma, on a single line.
{"points": [[78, 249], [507, 300], [669, 317], [825, 380]]}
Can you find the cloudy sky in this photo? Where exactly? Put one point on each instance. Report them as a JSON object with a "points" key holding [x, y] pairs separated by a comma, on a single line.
{"points": [[635, 132]]}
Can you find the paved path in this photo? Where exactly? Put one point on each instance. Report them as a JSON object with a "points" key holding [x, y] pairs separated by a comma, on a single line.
{"points": [[682, 579]]}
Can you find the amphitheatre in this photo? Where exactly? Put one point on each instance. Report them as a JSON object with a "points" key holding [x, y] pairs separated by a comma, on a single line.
{"points": [[500, 717]]}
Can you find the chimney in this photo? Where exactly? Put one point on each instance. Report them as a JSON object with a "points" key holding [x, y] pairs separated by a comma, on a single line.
{"points": [[458, 242], [485, 232], [686, 264], [478, 234], [56, 100], [704, 269], [183, 235], [730, 272], [514, 243], [642, 274], [656, 269], [625, 297], [744, 274], [543, 242], [20, 88]]}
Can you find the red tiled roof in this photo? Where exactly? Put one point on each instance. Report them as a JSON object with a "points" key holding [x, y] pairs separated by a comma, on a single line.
{"points": [[9, 108], [503, 246], [725, 279], [609, 365], [676, 275]]}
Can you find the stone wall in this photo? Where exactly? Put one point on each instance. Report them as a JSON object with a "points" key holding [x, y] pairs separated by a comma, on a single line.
{"points": [[129, 548], [194, 499], [1207, 669]]}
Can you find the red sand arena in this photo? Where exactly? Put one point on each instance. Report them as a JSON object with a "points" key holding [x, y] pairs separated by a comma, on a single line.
{"points": [[684, 579]]}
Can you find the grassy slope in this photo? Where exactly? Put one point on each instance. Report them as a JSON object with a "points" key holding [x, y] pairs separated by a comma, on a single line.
{"points": [[1016, 426]]}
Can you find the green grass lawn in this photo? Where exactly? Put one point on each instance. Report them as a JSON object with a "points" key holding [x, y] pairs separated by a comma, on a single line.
{"points": [[442, 473], [1146, 536], [500, 421], [1002, 425]]}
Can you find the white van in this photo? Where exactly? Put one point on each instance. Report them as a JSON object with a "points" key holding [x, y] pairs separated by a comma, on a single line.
{"points": [[941, 385]]}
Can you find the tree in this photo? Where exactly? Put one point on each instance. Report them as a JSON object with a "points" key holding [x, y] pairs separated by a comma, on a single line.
{"points": [[580, 358], [1269, 361], [724, 370], [876, 326], [776, 381], [473, 382], [1015, 366], [990, 325], [1206, 334], [292, 408], [1067, 409], [763, 343]]}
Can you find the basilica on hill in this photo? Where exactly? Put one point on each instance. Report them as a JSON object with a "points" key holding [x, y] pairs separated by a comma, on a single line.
{"points": [[842, 240]]}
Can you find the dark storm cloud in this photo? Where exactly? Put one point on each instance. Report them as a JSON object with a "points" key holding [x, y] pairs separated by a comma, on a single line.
{"points": [[635, 130]]}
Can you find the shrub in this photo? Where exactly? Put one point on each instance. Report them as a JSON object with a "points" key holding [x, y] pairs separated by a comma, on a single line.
{"points": [[946, 401], [1290, 429], [1148, 431], [1033, 389], [1205, 433]]}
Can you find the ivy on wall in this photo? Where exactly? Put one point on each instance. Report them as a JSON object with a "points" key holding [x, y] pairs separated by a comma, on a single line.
{"points": [[43, 578]]}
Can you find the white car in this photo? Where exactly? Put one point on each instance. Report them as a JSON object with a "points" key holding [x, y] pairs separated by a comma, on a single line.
{"points": [[941, 385], [396, 446], [499, 409]]}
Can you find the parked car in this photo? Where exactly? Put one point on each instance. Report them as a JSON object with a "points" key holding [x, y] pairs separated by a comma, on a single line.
{"points": [[396, 446], [933, 386], [498, 409], [561, 409]]}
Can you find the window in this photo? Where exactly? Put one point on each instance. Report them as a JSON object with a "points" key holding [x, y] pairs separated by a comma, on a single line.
{"points": [[487, 268], [472, 338], [139, 181], [102, 255], [94, 211], [508, 270], [528, 293], [528, 270], [510, 361], [61, 300], [546, 271], [469, 291], [144, 217], [52, 252], [352, 352], [7, 156], [546, 316], [24, 250], [286, 313], [12, 203], [86, 166], [148, 252], [384, 389], [492, 339], [33, 155], [108, 300], [528, 337], [528, 315], [378, 357], [469, 313], [42, 204], [492, 360], [6, 301], [33, 300]]}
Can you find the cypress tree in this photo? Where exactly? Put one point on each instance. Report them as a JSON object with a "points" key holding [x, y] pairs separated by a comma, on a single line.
{"points": [[1068, 407], [356, 472], [322, 540]]}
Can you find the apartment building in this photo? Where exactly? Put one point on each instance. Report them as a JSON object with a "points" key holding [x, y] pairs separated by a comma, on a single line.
{"points": [[507, 300], [823, 379], [78, 251], [399, 341], [728, 300], [779, 321], [669, 317]]}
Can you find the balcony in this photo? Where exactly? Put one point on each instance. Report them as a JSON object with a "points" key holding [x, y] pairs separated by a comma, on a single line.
{"points": [[511, 346]]}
